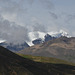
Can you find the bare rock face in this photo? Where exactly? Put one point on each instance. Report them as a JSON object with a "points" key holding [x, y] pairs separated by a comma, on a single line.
{"points": [[37, 41], [48, 37]]}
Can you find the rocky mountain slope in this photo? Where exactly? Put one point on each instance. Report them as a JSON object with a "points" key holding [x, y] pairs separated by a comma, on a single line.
{"points": [[62, 47]]}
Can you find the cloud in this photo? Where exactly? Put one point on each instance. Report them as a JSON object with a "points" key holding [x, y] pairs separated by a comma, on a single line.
{"points": [[47, 4], [53, 15], [12, 6], [12, 9], [12, 32], [30, 1], [39, 27]]}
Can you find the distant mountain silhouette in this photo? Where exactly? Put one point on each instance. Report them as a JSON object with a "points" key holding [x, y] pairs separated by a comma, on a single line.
{"points": [[14, 47]]}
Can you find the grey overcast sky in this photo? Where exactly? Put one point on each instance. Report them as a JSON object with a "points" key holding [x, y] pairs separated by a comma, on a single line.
{"points": [[19, 17]]}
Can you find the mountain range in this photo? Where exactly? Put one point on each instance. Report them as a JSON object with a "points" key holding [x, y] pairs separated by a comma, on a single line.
{"points": [[62, 47], [42, 37], [57, 44]]}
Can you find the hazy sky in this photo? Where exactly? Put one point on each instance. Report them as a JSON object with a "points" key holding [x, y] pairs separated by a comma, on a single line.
{"points": [[18, 17]]}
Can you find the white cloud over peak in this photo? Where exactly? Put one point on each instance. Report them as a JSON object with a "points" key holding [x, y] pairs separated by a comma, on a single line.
{"points": [[12, 32]]}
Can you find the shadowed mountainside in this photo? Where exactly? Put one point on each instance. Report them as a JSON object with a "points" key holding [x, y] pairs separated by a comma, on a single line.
{"points": [[12, 64]]}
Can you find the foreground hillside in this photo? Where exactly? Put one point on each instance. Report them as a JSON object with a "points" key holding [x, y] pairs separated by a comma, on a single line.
{"points": [[63, 48], [13, 64]]}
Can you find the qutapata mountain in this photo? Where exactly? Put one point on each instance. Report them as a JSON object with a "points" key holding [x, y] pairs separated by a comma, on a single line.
{"points": [[12, 64], [63, 48]]}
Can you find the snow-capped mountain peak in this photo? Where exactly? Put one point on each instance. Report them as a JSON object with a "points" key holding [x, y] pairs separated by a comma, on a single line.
{"points": [[63, 33], [59, 34], [34, 36]]}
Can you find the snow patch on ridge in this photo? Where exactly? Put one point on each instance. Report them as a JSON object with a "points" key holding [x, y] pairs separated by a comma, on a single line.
{"points": [[35, 35], [59, 34], [2, 40], [38, 34]]}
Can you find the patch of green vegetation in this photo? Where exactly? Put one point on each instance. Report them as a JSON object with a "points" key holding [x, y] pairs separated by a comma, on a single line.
{"points": [[46, 59]]}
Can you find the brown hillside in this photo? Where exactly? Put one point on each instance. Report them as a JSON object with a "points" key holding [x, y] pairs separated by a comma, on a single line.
{"points": [[62, 47]]}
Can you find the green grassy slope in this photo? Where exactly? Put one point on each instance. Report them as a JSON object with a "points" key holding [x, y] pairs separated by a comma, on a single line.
{"points": [[47, 59], [53, 65]]}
